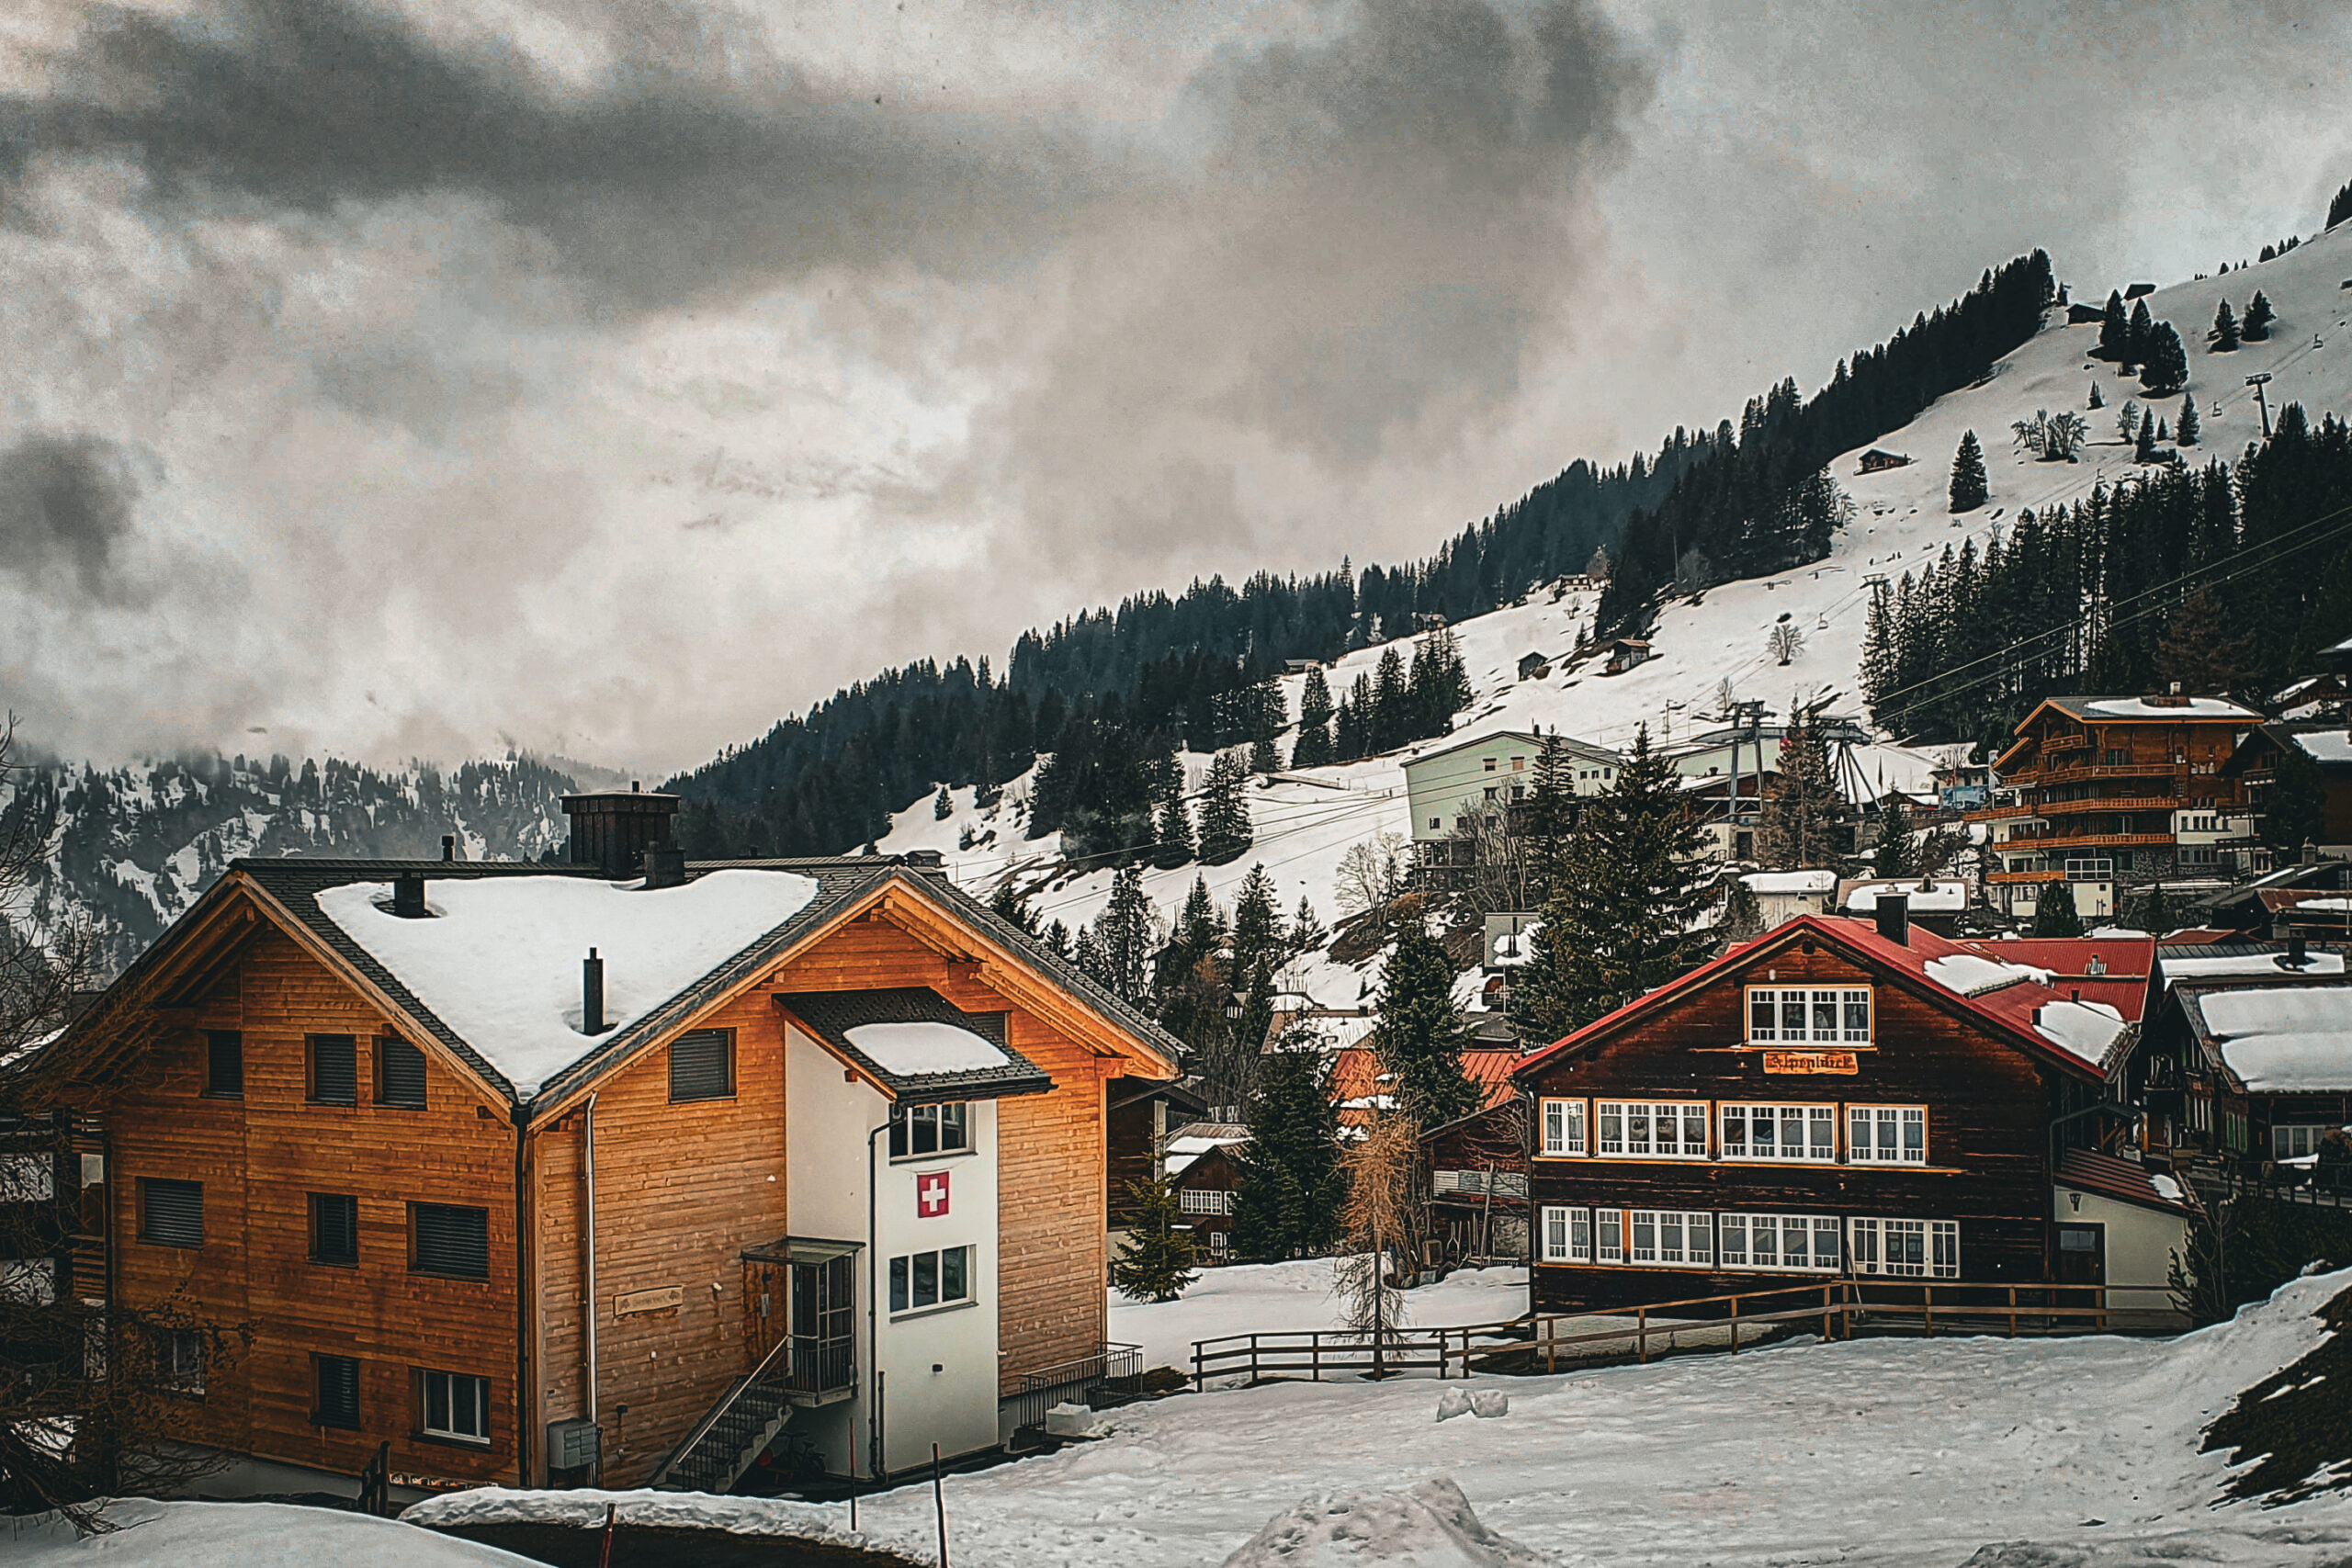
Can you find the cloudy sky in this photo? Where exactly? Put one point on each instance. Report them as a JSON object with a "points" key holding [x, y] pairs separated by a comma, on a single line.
{"points": [[610, 377]]}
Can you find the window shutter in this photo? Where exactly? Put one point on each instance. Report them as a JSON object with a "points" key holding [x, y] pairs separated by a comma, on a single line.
{"points": [[335, 1069], [702, 1064], [171, 1213], [338, 1392], [224, 1064], [450, 1241], [400, 1074], [334, 1227]]}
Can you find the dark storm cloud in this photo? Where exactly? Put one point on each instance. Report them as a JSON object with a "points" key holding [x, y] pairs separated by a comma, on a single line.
{"points": [[65, 509], [658, 182]]}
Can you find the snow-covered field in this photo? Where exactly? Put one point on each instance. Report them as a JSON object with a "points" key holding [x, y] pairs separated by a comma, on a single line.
{"points": [[1246, 1298], [2077, 1453], [1900, 522], [241, 1535]]}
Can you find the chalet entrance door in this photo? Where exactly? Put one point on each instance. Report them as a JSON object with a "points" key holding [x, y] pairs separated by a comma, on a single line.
{"points": [[2082, 1255], [801, 1294]]}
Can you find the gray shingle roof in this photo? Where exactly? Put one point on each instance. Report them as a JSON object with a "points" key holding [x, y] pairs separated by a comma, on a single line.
{"points": [[831, 1015]]}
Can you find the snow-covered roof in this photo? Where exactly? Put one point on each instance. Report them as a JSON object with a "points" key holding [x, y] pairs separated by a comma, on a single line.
{"points": [[926, 1047], [916, 1043], [1941, 897], [1190, 1142], [1966, 974], [2325, 745], [2086, 1029], [499, 959], [2184, 707], [2282, 1039], [2265, 963], [1786, 881]]}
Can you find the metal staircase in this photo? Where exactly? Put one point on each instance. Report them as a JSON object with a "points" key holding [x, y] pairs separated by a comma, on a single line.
{"points": [[736, 1430]]}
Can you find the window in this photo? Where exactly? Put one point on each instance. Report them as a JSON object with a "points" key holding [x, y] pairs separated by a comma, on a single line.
{"points": [[335, 1069], [931, 1279], [2294, 1142], [1886, 1134], [31, 1281], [1812, 1015], [1490, 763], [1668, 1235], [1219, 1244], [920, 1129], [456, 1407], [182, 1354], [449, 1241], [2199, 855], [702, 1066], [400, 1074], [336, 1379], [1806, 1243], [1671, 1130], [1567, 1236], [25, 1178], [1781, 1133], [1915, 1249], [1609, 1235], [1204, 1202], [1519, 764], [1435, 824], [2090, 868], [224, 1064], [171, 1213], [334, 1228], [1562, 1128]]}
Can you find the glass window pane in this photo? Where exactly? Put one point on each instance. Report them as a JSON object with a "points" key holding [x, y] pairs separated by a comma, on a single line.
{"points": [[1760, 1015], [1764, 1241], [954, 1126], [1637, 1129], [1733, 1238], [1734, 1130], [1791, 1015], [1612, 1129], [926, 1278], [898, 1135], [1823, 1125], [897, 1284], [1858, 1016], [1669, 1237], [1580, 1233], [437, 1402], [1824, 1243], [1915, 1134], [951, 1274], [926, 1139], [1759, 1130], [1694, 1128], [1824, 1015]]}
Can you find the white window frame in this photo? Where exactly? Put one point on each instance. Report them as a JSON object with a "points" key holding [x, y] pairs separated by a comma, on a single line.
{"points": [[1566, 1124], [457, 1387], [1220, 1243], [1609, 1235], [1929, 1248], [1811, 1119], [1628, 1114], [1780, 1027], [1204, 1201], [1566, 1235], [2286, 1135], [1868, 1147], [1736, 1235], [183, 1358], [1681, 1238], [938, 1255]]}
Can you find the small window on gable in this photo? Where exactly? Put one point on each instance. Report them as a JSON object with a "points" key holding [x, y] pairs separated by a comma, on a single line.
{"points": [[400, 1074], [224, 1064], [333, 1069], [702, 1066]]}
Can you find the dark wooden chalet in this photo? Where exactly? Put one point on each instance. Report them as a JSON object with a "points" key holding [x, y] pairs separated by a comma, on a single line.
{"points": [[2252, 1072], [1201, 1171], [1140, 1118], [1478, 1185], [1838, 1097]]}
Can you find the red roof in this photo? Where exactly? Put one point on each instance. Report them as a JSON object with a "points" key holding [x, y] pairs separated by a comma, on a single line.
{"points": [[1355, 1076], [2110, 969], [2113, 1177], [2010, 1010]]}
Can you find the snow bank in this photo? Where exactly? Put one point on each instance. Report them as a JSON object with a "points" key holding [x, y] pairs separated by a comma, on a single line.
{"points": [[2285, 1040], [1429, 1526], [925, 1046], [822, 1522], [1242, 1298], [2084, 1029], [499, 962], [242, 1535], [1942, 897], [1970, 976]]}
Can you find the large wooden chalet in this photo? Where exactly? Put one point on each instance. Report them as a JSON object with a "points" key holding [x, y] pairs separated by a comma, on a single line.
{"points": [[524, 1170], [2250, 1071], [1847, 1097]]}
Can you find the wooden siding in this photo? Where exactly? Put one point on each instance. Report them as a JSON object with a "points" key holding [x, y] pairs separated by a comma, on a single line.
{"points": [[1988, 1114], [259, 1159]]}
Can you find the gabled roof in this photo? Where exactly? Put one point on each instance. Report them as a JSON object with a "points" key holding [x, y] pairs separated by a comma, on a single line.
{"points": [[288, 892], [2274, 1036], [2123, 1180], [2015, 1003], [1533, 740], [853, 1025], [2128, 709]]}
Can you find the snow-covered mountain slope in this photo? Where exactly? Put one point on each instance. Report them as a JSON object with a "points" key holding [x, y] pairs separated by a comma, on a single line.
{"points": [[1901, 522]]}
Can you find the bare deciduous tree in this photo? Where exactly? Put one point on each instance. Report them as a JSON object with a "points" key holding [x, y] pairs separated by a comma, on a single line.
{"points": [[1374, 873], [1380, 1218], [1501, 869], [1785, 640]]}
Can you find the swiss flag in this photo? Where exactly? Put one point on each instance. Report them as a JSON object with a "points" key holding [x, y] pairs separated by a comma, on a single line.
{"points": [[931, 1195]]}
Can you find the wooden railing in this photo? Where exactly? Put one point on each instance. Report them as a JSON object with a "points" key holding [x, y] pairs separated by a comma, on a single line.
{"points": [[1693, 1324]]}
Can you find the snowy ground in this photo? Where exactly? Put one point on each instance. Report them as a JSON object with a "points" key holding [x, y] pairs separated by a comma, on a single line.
{"points": [[1246, 1298], [241, 1535], [2076, 1453]]}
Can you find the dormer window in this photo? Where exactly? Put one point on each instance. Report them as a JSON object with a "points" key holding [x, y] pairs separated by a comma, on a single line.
{"points": [[1809, 1015]]}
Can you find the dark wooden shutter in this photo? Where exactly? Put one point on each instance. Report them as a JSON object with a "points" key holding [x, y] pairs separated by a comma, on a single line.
{"points": [[224, 1064], [702, 1064], [170, 1212], [335, 1069], [400, 1074], [334, 1227], [451, 1240], [338, 1392]]}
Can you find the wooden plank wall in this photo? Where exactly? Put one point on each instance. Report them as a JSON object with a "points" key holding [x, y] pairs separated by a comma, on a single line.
{"points": [[259, 1159], [1988, 1112]]}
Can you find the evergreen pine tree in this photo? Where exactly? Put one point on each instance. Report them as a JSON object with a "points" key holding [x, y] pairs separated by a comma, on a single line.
{"points": [[2098, 399], [1802, 809], [2224, 335], [2127, 423], [1172, 829], [1257, 1019], [1743, 916], [2258, 317], [1550, 811], [943, 805], [2294, 805], [1968, 487], [2339, 205], [2187, 434], [2114, 330], [1156, 1261], [1257, 921], [1289, 1191], [1200, 928], [1127, 937], [1224, 811], [2143, 325], [2155, 912], [2167, 369], [1895, 855], [2163, 434], [1306, 934], [2145, 450], [1620, 918], [2055, 913], [1313, 747], [1007, 904], [1422, 1031], [1391, 723], [1267, 719]]}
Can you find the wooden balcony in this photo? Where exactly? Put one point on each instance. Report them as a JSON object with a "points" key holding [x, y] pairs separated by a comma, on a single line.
{"points": [[2108, 803], [2000, 813], [1991, 877]]}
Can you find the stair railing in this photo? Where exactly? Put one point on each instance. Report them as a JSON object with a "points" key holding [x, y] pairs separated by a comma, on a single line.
{"points": [[718, 1411]]}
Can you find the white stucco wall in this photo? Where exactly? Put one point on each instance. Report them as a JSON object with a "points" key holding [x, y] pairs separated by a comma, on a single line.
{"points": [[2140, 1245]]}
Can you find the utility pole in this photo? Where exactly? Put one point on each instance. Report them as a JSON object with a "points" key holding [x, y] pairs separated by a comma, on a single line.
{"points": [[2256, 381], [1753, 712]]}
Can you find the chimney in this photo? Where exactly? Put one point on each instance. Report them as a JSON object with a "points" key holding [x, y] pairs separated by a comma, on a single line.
{"points": [[1894, 911], [591, 994], [2296, 955], [665, 867], [449, 846], [408, 895], [611, 830], [2311, 852]]}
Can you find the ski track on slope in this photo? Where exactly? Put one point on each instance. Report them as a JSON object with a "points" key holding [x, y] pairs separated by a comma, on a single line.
{"points": [[1900, 525]]}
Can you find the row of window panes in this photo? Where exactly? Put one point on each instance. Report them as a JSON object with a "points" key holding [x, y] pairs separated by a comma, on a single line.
{"points": [[702, 1066], [1875, 1135], [454, 1406], [922, 1280], [1749, 1242], [920, 1129], [2295, 1142], [1207, 1201], [1809, 1015], [446, 1239]]}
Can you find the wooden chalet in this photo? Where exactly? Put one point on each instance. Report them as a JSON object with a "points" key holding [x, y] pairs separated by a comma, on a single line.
{"points": [[1839, 1098], [1201, 1171], [539, 1174], [2112, 795], [1878, 460], [2326, 747], [2249, 1073], [1141, 1116], [1625, 652], [1477, 1183]]}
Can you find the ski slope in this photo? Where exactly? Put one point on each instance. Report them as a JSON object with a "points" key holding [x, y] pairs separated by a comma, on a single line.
{"points": [[1306, 823]]}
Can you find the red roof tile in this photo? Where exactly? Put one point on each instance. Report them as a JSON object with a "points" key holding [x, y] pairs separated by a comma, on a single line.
{"points": [[2113, 1177]]}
